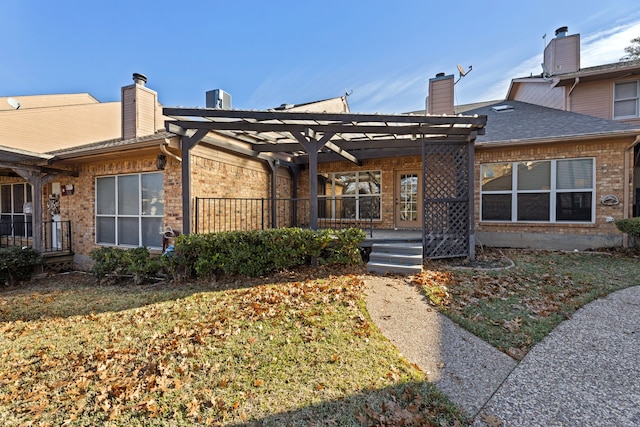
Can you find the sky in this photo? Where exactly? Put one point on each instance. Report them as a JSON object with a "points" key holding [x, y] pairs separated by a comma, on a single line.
{"points": [[267, 53]]}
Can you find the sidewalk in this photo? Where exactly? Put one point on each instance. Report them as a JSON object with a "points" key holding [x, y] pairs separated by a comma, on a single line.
{"points": [[585, 373]]}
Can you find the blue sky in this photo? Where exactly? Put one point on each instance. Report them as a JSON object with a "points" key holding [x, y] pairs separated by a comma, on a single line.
{"points": [[268, 53]]}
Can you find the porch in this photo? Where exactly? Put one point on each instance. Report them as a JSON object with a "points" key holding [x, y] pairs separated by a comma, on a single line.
{"points": [[55, 247]]}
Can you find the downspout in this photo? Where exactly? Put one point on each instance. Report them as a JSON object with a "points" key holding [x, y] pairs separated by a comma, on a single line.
{"points": [[628, 153], [575, 83], [163, 147]]}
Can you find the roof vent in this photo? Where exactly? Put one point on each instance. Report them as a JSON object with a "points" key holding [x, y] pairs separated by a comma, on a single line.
{"points": [[562, 31], [502, 108], [218, 98], [139, 79]]}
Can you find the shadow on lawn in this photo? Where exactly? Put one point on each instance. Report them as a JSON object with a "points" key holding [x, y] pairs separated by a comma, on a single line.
{"points": [[78, 294], [407, 404]]}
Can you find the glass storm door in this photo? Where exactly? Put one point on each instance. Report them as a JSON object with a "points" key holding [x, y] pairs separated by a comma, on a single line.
{"points": [[408, 199]]}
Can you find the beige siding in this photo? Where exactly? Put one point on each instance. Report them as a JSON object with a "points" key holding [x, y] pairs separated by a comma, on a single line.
{"points": [[47, 129], [562, 55], [139, 111], [539, 93], [594, 99], [441, 95], [42, 101]]}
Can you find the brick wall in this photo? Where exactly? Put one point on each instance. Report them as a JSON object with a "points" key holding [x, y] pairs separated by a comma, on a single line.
{"points": [[609, 158]]}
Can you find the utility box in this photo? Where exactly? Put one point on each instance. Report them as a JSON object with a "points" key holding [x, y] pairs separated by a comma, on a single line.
{"points": [[218, 98]]}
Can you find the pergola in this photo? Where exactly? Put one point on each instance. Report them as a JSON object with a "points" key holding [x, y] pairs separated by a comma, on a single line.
{"points": [[295, 138]]}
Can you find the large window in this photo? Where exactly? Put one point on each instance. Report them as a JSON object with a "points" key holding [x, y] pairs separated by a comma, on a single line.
{"points": [[15, 213], [538, 191], [349, 195], [130, 210], [625, 99]]}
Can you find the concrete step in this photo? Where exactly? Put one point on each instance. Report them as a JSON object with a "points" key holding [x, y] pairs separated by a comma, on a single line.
{"points": [[398, 248], [400, 258], [383, 268], [392, 258]]}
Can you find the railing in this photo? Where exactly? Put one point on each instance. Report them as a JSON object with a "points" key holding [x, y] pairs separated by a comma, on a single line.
{"points": [[214, 215], [56, 235]]}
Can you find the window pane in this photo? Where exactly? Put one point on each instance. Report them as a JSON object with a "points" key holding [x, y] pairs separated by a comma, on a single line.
{"points": [[370, 207], [128, 195], [128, 231], [106, 194], [346, 208], [496, 207], [574, 174], [534, 176], [151, 229], [369, 183], [625, 108], [5, 198], [5, 225], [496, 177], [345, 183], [324, 207], [152, 194], [573, 206], [533, 207], [106, 230], [626, 90], [18, 198]]}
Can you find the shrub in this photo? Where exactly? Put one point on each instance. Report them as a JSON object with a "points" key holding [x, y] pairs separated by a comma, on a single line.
{"points": [[255, 253], [630, 226], [114, 264], [16, 264]]}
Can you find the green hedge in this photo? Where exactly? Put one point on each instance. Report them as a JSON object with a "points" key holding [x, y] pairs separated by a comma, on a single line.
{"points": [[16, 264], [255, 253], [630, 226], [115, 264]]}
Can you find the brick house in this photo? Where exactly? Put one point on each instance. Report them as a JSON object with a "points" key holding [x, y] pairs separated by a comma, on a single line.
{"points": [[136, 179], [565, 119]]}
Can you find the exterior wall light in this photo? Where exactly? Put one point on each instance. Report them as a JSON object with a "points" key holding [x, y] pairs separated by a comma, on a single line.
{"points": [[161, 162]]}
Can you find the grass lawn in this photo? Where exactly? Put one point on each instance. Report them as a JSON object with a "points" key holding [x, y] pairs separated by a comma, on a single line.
{"points": [[292, 350], [513, 309]]}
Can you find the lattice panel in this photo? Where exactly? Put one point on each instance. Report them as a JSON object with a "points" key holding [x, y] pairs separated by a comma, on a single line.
{"points": [[446, 200]]}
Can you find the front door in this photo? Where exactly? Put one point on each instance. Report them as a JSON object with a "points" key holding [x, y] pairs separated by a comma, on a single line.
{"points": [[408, 189]]}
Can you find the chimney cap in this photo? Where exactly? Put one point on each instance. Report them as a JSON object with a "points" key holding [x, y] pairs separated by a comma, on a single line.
{"points": [[562, 31], [140, 79], [440, 75]]}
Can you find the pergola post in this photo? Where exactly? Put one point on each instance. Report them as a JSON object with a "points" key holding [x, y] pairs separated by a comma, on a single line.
{"points": [[312, 146], [188, 142], [274, 165]]}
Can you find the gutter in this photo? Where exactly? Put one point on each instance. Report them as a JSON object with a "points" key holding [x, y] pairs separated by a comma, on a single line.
{"points": [[554, 139], [163, 147], [575, 83]]}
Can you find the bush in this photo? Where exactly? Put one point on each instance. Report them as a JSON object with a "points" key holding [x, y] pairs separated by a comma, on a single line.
{"points": [[16, 264], [114, 264], [255, 253], [630, 226]]}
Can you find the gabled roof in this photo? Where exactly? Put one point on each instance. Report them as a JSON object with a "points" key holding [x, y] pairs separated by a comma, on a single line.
{"points": [[526, 123]]}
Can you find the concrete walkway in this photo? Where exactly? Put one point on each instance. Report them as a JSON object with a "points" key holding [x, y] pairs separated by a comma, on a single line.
{"points": [[585, 373]]}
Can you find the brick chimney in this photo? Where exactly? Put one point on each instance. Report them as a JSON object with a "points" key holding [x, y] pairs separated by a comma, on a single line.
{"points": [[562, 54], [440, 99], [139, 109]]}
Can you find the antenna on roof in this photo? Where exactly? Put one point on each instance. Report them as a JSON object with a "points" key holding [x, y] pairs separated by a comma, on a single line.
{"points": [[463, 72], [14, 103], [348, 92]]}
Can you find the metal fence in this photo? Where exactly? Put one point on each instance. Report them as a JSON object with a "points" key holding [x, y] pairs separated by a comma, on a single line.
{"points": [[56, 235], [214, 215]]}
